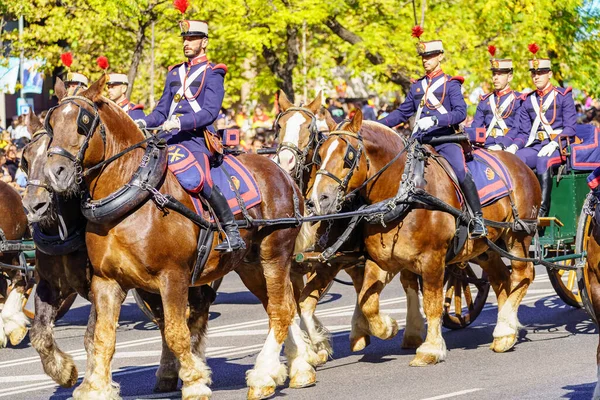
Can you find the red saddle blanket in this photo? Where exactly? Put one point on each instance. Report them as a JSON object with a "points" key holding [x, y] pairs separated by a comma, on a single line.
{"points": [[229, 174]]}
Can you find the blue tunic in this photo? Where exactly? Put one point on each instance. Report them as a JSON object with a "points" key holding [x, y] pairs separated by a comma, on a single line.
{"points": [[205, 94], [135, 111], [485, 115], [555, 109], [447, 93]]}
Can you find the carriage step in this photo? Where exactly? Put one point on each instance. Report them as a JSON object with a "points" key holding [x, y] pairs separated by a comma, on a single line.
{"points": [[547, 221]]}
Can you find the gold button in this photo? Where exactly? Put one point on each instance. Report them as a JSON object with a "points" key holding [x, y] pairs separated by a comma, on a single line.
{"points": [[180, 106]]}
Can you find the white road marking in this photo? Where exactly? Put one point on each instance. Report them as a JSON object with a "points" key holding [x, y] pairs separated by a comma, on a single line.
{"points": [[454, 394]]}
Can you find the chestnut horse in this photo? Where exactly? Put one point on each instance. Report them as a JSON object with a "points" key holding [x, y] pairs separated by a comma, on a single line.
{"points": [[298, 140], [146, 249], [419, 242], [67, 272], [13, 322]]}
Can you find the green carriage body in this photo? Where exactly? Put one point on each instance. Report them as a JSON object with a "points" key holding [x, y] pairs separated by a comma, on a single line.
{"points": [[568, 195]]}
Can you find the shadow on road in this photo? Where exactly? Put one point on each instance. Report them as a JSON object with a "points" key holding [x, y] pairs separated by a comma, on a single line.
{"points": [[579, 392]]}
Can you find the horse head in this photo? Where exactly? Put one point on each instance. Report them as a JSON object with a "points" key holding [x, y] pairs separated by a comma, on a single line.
{"points": [[37, 197], [297, 133], [77, 136], [343, 167]]}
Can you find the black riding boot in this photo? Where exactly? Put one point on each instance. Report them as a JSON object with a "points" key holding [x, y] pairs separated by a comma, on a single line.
{"points": [[477, 227], [233, 240], [546, 184]]}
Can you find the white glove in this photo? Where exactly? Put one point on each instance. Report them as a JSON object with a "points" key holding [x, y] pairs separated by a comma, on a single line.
{"points": [[548, 149], [495, 147], [171, 123], [512, 148], [140, 123], [425, 123]]}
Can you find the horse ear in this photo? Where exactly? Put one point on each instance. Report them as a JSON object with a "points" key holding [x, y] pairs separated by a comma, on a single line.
{"points": [[316, 103], [284, 103], [33, 123], [94, 92], [331, 124], [59, 89], [356, 122]]}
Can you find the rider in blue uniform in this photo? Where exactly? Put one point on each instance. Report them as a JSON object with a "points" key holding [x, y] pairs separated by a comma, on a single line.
{"points": [[189, 105], [546, 116], [117, 88], [438, 105], [497, 113]]}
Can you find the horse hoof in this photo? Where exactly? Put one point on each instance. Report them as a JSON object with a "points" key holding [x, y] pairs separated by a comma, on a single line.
{"points": [[504, 343], [359, 343], [264, 392], [424, 360], [68, 377], [17, 335], [196, 391], [323, 356], [411, 342], [165, 385], [303, 379]]}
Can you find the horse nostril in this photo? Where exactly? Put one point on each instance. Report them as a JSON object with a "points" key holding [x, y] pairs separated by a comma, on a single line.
{"points": [[38, 206], [59, 170], [310, 204], [323, 197]]}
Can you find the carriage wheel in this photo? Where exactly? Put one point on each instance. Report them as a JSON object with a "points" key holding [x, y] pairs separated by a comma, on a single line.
{"points": [[465, 295], [584, 230], [564, 283], [145, 308]]}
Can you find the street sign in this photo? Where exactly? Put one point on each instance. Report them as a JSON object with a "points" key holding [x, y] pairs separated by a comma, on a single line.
{"points": [[24, 106]]}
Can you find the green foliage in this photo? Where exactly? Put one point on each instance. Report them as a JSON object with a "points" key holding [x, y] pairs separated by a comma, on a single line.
{"points": [[566, 31]]}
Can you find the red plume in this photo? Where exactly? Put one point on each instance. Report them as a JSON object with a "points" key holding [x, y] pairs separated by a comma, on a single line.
{"points": [[417, 31], [102, 62], [181, 5], [533, 48], [492, 50], [67, 59]]}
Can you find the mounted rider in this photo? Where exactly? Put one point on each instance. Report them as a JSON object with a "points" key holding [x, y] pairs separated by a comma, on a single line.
{"points": [[438, 105], [547, 116], [496, 118], [117, 89], [189, 105], [74, 81]]}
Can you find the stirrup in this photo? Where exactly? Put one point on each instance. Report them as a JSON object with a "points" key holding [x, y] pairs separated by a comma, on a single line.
{"points": [[226, 247], [472, 225]]}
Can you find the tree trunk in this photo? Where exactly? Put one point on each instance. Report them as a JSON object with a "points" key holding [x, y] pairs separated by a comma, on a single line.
{"points": [[140, 42], [375, 58], [284, 72]]}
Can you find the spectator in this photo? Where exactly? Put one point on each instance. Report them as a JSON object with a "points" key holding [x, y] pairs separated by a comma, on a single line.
{"points": [[258, 142], [335, 109], [260, 119], [21, 135], [13, 125], [368, 110], [4, 173], [5, 139], [12, 162]]}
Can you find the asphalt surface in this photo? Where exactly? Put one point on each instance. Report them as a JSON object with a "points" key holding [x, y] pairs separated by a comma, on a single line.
{"points": [[554, 358]]}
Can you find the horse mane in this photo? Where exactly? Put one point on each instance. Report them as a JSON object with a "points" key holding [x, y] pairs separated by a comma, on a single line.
{"points": [[118, 123]]}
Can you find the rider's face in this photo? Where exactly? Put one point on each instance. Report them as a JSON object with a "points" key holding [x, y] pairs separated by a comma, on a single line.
{"points": [[115, 91], [501, 79], [432, 62], [194, 46], [541, 78]]}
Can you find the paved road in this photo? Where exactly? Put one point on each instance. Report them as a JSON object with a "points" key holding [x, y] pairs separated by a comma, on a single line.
{"points": [[555, 356]]}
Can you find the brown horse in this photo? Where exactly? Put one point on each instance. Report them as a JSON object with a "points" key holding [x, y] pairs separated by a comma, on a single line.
{"points": [[66, 272], [146, 249], [13, 322], [588, 240], [298, 140], [419, 242]]}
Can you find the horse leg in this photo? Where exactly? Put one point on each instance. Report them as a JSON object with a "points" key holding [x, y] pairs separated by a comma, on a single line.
{"points": [[57, 364], [433, 349], [15, 320], [314, 289], [193, 371], [167, 373], [107, 298], [505, 333], [368, 320], [415, 324]]}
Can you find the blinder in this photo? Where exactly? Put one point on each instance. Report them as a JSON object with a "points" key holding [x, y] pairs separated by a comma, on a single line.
{"points": [[85, 121], [350, 157]]}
